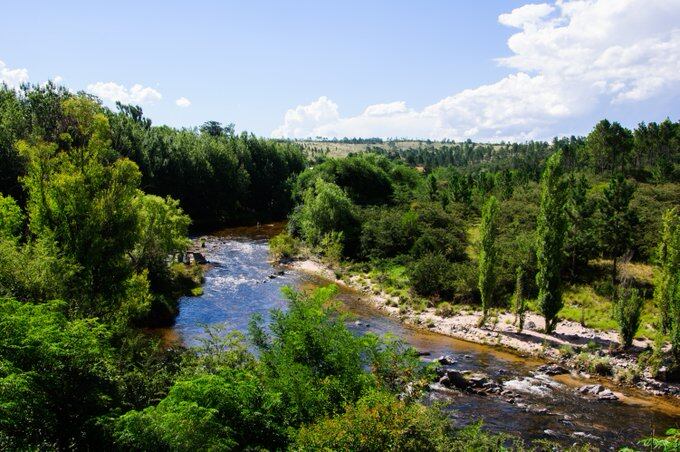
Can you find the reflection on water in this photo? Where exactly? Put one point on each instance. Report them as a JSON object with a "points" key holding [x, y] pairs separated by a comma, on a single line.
{"points": [[241, 283]]}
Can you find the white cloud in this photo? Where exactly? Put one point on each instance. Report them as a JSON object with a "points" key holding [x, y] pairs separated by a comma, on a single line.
{"points": [[527, 15], [12, 77], [572, 59], [114, 92], [183, 102]]}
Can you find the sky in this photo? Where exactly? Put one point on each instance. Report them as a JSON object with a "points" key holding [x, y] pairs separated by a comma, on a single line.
{"points": [[484, 70]]}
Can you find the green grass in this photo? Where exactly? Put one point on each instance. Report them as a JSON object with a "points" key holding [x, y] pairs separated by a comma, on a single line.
{"points": [[583, 304]]}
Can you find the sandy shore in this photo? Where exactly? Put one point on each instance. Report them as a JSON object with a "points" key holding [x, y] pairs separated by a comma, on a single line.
{"points": [[531, 341]]}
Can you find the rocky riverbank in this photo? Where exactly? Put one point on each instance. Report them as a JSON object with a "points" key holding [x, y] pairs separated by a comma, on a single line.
{"points": [[582, 351]]}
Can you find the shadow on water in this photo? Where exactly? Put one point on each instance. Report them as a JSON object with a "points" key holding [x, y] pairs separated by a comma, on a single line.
{"points": [[242, 282]]}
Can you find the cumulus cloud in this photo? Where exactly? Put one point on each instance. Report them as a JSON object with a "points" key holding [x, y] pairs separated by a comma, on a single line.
{"points": [[12, 77], [113, 92], [570, 59], [183, 102]]}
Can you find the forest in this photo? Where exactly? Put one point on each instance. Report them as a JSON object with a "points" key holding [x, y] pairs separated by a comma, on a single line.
{"points": [[95, 204]]}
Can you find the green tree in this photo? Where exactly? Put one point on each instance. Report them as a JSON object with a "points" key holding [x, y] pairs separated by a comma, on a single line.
{"points": [[617, 221], [668, 262], [11, 218], [610, 145], [518, 299], [328, 209], [488, 231], [551, 228], [580, 243], [627, 311], [56, 376]]}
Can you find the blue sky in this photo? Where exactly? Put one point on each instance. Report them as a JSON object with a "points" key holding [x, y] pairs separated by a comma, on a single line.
{"points": [[379, 68]]}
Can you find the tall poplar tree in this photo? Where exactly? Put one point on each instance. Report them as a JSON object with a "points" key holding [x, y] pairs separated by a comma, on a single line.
{"points": [[667, 277], [487, 254], [550, 245]]}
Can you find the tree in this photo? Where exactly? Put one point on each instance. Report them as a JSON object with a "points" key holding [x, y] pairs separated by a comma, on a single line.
{"points": [[627, 311], [617, 221], [487, 254], [11, 218], [610, 145], [580, 241], [328, 209], [551, 228], [666, 278], [518, 300]]}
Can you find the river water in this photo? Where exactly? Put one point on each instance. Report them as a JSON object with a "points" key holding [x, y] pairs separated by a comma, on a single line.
{"points": [[239, 284]]}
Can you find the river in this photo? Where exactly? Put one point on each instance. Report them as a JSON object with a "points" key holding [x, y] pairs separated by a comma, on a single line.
{"points": [[241, 282]]}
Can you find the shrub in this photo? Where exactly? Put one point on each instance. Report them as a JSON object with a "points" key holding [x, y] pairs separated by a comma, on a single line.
{"points": [[627, 310], [445, 309], [430, 274], [283, 246], [377, 423], [599, 365]]}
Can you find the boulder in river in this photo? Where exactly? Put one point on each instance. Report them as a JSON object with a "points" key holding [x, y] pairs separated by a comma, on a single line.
{"points": [[454, 379], [446, 360], [552, 369]]}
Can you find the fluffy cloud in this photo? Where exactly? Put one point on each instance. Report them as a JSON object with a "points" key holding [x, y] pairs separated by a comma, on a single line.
{"points": [[114, 92], [183, 102], [572, 59], [12, 77]]}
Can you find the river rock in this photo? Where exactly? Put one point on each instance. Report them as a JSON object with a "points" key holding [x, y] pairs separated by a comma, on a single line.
{"points": [[446, 360], [454, 379], [585, 435], [199, 258], [552, 369], [598, 391]]}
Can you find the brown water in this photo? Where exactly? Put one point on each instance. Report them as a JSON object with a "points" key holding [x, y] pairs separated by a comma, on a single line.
{"points": [[238, 285]]}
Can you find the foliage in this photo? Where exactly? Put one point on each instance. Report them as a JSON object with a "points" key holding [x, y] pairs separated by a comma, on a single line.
{"points": [[11, 218], [487, 254], [328, 209], [627, 311], [55, 375], [609, 145], [550, 245], [667, 276], [362, 177], [430, 274], [617, 220], [518, 300], [283, 246], [669, 443], [379, 421]]}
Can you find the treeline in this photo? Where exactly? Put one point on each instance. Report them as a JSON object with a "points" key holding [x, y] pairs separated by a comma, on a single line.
{"points": [[649, 153], [219, 177]]}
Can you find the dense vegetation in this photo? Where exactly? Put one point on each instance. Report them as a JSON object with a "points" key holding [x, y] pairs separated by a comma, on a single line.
{"points": [[457, 223], [96, 204]]}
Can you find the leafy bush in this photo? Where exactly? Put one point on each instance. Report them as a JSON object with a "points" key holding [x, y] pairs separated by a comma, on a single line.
{"points": [[599, 365], [430, 274], [627, 310], [445, 309], [327, 209], [379, 421], [283, 246]]}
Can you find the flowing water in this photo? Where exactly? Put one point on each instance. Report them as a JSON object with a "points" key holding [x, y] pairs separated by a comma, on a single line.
{"points": [[241, 282]]}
